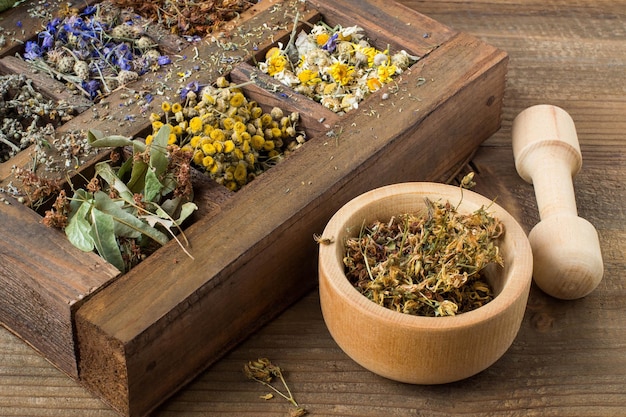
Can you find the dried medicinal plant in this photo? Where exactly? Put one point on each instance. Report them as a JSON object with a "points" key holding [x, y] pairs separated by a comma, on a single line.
{"points": [[264, 371], [426, 264], [335, 66], [232, 139], [188, 18], [128, 210], [94, 50], [26, 116]]}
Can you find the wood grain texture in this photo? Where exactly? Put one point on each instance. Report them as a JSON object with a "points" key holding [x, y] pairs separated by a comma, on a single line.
{"points": [[569, 356]]}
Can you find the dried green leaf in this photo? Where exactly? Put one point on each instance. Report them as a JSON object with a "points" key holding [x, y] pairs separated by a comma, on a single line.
{"points": [[78, 227], [103, 234], [107, 205]]}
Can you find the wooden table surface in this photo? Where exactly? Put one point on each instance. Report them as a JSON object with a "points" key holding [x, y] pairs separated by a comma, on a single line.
{"points": [[569, 358]]}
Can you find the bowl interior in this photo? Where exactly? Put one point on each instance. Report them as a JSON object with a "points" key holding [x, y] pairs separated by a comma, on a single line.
{"points": [[508, 282]]}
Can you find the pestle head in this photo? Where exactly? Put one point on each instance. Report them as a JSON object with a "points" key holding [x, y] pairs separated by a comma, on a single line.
{"points": [[543, 134], [566, 255]]}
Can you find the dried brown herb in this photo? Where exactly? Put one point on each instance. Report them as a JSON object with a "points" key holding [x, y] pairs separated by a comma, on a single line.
{"points": [[426, 264], [188, 18]]}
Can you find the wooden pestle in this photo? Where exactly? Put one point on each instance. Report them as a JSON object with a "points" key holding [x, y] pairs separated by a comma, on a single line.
{"points": [[566, 249]]}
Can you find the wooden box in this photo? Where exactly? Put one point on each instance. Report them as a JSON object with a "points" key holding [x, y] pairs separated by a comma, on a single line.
{"points": [[135, 338]]}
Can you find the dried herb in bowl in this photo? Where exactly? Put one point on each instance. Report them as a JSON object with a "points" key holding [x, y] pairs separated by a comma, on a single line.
{"points": [[426, 264]]}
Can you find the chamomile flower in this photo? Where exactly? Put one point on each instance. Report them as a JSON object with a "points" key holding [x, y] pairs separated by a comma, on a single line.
{"points": [[337, 67]]}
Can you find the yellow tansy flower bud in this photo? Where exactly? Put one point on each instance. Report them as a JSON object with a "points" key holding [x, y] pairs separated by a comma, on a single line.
{"points": [[208, 161], [149, 139], [241, 173], [237, 100], [229, 146], [208, 149], [176, 107], [195, 125], [198, 156], [166, 106], [257, 142]]}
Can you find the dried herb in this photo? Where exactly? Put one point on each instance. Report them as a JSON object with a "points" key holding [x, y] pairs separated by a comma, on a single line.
{"points": [[188, 18], [426, 264], [264, 371], [129, 210]]}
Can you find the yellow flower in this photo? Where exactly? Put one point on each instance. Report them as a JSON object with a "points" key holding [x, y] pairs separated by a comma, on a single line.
{"points": [[217, 135], [374, 84], [239, 127], [208, 98], [257, 142], [155, 117], [271, 52], [341, 73], [198, 156], [166, 106], [219, 146], [268, 145], [195, 124], [266, 120], [237, 99], [156, 125], [238, 153], [195, 141], [209, 149], [228, 123], [178, 130], [249, 158], [245, 146], [208, 161], [276, 62], [277, 133], [309, 77], [176, 107], [231, 185], [322, 38], [229, 146], [241, 173], [256, 112], [149, 139], [207, 129], [171, 139], [385, 72]]}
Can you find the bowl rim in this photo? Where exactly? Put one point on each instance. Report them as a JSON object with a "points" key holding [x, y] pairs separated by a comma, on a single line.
{"points": [[520, 272]]}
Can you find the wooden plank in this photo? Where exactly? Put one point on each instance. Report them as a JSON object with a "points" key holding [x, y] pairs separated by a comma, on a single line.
{"points": [[260, 254], [43, 276]]}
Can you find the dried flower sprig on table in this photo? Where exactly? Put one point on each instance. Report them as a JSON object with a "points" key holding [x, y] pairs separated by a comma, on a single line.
{"points": [[94, 50], [264, 371], [231, 138], [426, 264], [336, 67]]}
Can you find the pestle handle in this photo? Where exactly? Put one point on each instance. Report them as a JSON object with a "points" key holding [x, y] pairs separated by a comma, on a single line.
{"points": [[566, 249]]}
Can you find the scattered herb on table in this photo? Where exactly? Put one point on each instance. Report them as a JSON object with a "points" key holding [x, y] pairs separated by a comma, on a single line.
{"points": [[335, 66], [264, 371], [426, 264]]}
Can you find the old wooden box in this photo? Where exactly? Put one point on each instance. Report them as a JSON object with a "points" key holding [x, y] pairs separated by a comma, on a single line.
{"points": [[136, 338]]}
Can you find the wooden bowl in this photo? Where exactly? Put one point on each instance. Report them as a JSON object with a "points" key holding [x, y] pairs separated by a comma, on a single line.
{"points": [[414, 349]]}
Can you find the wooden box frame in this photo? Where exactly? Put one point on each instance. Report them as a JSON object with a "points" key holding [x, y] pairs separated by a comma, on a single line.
{"points": [[134, 339]]}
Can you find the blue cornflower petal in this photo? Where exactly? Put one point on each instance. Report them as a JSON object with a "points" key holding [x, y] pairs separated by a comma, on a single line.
{"points": [[164, 60], [32, 51], [331, 43]]}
